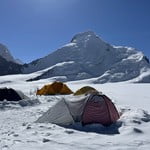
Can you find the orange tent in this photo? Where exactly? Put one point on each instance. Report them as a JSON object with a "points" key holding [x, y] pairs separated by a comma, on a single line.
{"points": [[54, 88]]}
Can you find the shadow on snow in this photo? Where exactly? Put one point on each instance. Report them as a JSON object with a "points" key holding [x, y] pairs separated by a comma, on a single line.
{"points": [[97, 128]]}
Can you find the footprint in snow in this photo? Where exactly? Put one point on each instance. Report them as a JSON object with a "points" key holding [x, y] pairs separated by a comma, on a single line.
{"points": [[46, 140], [69, 131], [136, 130]]}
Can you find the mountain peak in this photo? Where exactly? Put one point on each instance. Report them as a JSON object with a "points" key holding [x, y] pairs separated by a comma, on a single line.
{"points": [[3, 49], [82, 36], [4, 52]]}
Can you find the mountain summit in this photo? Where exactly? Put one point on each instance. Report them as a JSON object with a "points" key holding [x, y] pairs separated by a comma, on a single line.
{"points": [[88, 56], [5, 53], [8, 65]]}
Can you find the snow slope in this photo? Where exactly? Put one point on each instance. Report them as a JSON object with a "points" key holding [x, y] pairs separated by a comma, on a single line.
{"points": [[91, 57], [18, 130]]}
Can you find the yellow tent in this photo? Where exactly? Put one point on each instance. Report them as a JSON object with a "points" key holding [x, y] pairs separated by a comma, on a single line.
{"points": [[54, 88], [85, 90]]}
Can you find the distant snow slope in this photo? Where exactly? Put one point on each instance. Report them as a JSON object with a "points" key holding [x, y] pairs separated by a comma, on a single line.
{"points": [[18, 130], [91, 57]]}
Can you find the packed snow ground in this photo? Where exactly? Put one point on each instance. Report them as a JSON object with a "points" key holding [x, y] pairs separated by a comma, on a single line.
{"points": [[18, 130]]}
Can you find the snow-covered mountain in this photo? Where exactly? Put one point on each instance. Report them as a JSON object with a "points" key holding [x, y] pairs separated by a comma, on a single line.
{"points": [[5, 53], [8, 65], [88, 56]]}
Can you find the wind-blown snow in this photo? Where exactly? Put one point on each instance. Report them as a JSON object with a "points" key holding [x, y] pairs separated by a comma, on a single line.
{"points": [[19, 131]]}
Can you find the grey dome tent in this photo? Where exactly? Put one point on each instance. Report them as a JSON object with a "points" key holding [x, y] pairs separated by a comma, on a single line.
{"points": [[10, 94], [94, 108]]}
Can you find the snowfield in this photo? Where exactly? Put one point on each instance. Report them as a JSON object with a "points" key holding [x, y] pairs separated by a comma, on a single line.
{"points": [[18, 130]]}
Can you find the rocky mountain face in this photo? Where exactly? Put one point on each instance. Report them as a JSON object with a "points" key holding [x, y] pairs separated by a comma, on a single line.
{"points": [[88, 56], [8, 67]]}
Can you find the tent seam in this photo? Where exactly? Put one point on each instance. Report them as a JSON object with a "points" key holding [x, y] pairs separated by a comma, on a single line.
{"points": [[68, 109]]}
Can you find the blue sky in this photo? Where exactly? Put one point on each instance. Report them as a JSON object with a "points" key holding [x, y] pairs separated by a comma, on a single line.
{"points": [[34, 28]]}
